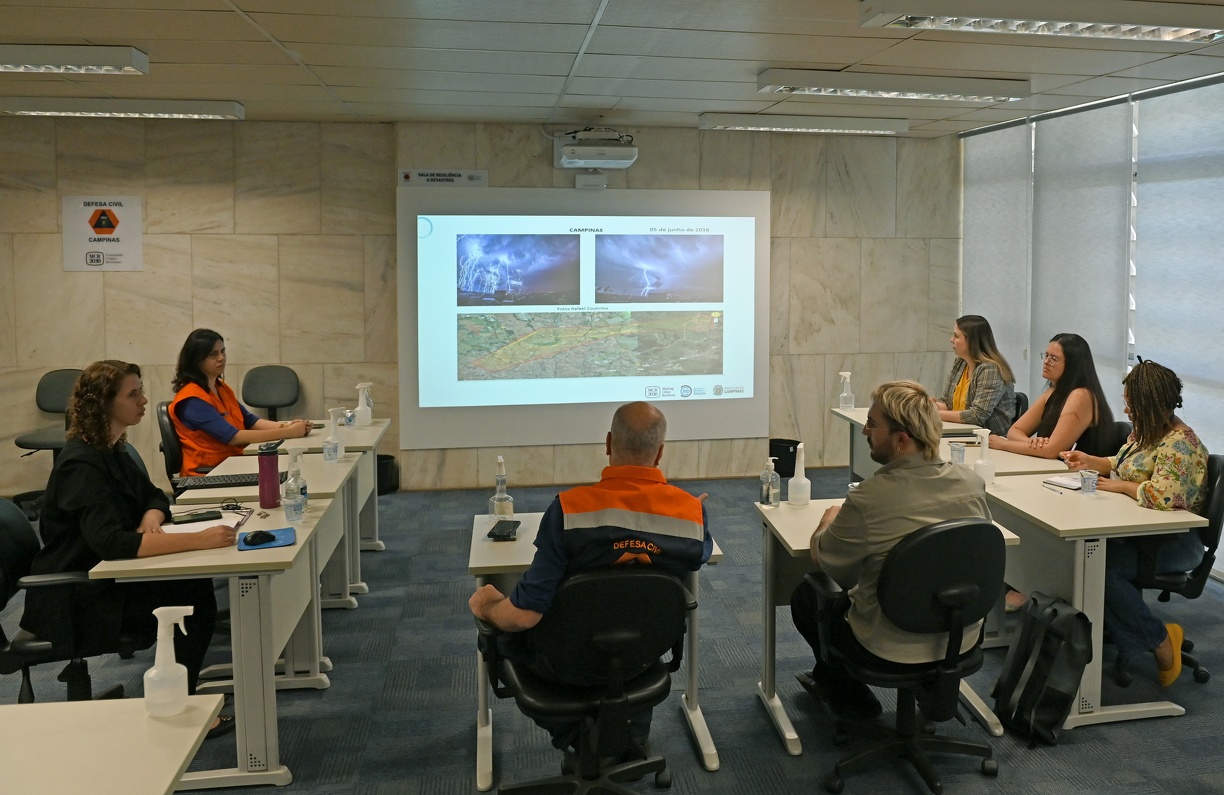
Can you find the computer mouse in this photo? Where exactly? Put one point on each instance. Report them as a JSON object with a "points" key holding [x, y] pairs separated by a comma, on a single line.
{"points": [[258, 537]]}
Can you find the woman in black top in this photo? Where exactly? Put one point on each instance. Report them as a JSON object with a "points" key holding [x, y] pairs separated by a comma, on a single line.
{"points": [[101, 506]]}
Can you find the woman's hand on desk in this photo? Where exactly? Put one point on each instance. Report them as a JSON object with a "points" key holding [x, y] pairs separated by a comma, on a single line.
{"points": [[215, 537], [296, 429], [151, 522]]}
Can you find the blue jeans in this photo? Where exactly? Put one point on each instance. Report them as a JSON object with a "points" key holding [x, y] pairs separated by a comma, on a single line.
{"points": [[1128, 621]]}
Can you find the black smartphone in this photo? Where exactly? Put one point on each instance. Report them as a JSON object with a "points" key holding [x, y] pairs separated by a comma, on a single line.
{"points": [[268, 447], [195, 516], [318, 426], [504, 530]]}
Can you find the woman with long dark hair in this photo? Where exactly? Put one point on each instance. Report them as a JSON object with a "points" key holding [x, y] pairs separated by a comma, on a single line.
{"points": [[1163, 466], [980, 387], [211, 424], [1071, 412]]}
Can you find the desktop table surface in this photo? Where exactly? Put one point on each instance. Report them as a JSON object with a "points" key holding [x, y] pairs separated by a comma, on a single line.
{"points": [[793, 524], [355, 437], [858, 416], [107, 747], [1006, 463], [487, 556], [323, 478], [1073, 514]]}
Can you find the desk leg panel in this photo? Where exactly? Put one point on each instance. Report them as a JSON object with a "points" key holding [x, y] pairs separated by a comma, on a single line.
{"points": [[690, 705], [352, 534], [368, 472], [251, 636]]}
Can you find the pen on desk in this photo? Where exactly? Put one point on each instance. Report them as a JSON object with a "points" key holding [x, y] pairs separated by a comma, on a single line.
{"points": [[244, 518], [1051, 488]]}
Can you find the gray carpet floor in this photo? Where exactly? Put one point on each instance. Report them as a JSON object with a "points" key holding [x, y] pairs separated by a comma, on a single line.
{"points": [[399, 717]]}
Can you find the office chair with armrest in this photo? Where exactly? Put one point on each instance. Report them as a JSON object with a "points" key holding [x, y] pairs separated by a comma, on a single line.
{"points": [[1022, 405], [1187, 584], [271, 387], [51, 396], [18, 546], [944, 577], [604, 632], [170, 446]]}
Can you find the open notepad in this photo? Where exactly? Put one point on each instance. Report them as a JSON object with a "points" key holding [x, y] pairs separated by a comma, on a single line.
{"points": [[1064, 481]]}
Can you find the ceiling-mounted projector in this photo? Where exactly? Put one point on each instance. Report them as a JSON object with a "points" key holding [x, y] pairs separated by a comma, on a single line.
{"points": [[583, 150]]}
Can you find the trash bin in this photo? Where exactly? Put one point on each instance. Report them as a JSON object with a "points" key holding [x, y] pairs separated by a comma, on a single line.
{"points": [[388, 474], [784, 451]]}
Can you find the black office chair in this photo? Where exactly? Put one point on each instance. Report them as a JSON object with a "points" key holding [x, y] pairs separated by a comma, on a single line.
{"points": [[1187, 584], [1022, 405], [605, 632], [944, 577], [51, 396], [18, 546], [271, 387]]}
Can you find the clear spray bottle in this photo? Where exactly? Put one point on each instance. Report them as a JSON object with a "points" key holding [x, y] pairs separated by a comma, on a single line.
{"points": [[771, 484], [846, 399], [165, 684], [501, 504]]}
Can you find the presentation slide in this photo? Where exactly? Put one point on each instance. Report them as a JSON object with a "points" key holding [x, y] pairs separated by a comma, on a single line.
{"points": [[527, 315], [578, 309]]}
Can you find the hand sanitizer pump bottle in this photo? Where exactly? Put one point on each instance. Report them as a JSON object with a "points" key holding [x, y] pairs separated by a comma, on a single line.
{"points": [[846, 399], [501, 504], [771, 485], [984, 466], [165, 684], [799, 488], [365, 404], [333, 445], [296, 495]]}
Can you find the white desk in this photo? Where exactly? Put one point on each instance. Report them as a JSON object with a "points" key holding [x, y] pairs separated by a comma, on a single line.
{"points": [[273, 598], [785, 558], [108, 747], [501, 563], [861, 465], [1007, 463], [1063, 554], [362, 439], [325, 480]]}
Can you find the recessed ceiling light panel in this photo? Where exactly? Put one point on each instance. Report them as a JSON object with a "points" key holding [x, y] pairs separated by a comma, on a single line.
{"points": [[84, 60], [889, 86], [830, 125], [122, 108]]}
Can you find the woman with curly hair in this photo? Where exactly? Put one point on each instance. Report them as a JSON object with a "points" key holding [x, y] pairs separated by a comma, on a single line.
{"points": [[1162, 466], [210, 422], [101, 506]]}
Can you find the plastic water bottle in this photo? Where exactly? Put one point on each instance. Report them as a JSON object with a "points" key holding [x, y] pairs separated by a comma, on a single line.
{"points": [[296, 494]]}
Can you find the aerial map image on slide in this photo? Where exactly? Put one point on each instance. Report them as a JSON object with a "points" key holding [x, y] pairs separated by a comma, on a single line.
{"points": [[497, 270], [673, 269], [589, 344]]}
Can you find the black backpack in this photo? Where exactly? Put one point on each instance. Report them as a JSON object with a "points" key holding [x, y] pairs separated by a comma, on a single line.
{"points": [[1044, 665]]}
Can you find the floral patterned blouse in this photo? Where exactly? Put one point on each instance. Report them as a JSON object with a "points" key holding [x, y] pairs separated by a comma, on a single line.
{"points": [[1171, 474]]}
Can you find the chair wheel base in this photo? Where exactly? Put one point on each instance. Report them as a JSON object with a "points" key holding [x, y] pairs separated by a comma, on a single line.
{"points": [[833, 783], [663, 779], [990, 767], [1201, 675]]}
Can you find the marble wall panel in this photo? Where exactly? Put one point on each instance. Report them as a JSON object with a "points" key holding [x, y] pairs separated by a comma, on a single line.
{"points": [[235, 289], [895, 283], [668, 158], [735, 160], [358, 178], [381, 299], [825, 295], [148, 313], [731, 458], [59, 315], [808, 386], [580, 463], [525, 466], [428, 145], [869, 371], [276, 181], [189, 177], [862, 187], [783, 412], [943, 292], [516, 155], [426, 470], [100, 157], [322, 284], [681, 460], [929, 187], [797, 187], [28, 201], [779, 295], [20, 415], [8, 310], [929, 368], [340, 389]]}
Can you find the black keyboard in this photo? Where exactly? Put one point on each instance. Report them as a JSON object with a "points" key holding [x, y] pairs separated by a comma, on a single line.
{"points": [[221, 481]]}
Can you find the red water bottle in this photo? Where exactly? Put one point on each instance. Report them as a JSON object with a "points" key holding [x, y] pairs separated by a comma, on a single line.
{"points": [[269, 476]]}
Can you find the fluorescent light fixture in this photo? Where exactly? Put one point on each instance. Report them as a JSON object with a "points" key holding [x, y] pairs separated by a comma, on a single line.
{"points": [[83, 60], [122, 108], [833, 125], [1187, 23], [885, 86]]}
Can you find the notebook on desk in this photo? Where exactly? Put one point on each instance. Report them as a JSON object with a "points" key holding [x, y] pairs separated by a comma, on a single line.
{"points": [[1064, 481], [221, 481]]}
